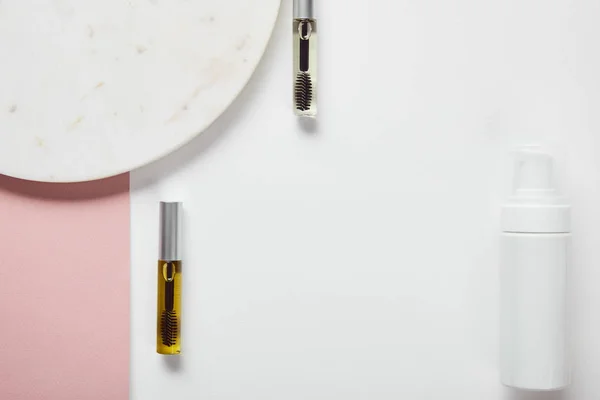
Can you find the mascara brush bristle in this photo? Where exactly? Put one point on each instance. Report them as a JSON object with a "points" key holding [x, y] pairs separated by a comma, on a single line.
{"points": [[303, 91], [168, 328]]}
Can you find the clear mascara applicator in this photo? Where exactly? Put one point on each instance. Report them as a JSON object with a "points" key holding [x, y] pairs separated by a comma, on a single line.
{"points": [[305, 58]]}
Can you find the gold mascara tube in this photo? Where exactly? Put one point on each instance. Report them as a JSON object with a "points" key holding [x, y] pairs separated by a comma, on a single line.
{"points": [[168, 311]]}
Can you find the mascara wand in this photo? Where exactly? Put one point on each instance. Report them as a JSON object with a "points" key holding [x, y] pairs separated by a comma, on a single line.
{"points": [[303, 91], [168, 319], [168, 311], [305, 58]]}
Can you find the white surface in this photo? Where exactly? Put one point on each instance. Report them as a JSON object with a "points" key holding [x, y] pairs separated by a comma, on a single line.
{"points": [[361, 261], [92, 88]]}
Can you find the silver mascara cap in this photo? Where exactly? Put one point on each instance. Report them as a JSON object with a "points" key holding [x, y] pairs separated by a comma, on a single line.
{"points": [[304, 9], [171, 215]]}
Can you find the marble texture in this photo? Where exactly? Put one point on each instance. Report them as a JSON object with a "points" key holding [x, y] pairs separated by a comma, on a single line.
{"points": [[93, 88]]}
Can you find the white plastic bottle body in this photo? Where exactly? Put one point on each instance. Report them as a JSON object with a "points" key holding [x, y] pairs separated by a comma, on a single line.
{"points": [[534, 351]]}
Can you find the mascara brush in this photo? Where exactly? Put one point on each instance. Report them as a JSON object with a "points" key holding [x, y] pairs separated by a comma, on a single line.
{"points": [[169, 330], [168, 312], [305, 58], [168, 320], [303, 92]]}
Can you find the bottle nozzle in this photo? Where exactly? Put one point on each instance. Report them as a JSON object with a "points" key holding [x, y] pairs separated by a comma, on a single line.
{"points": [[533, 171], [535, 206]]}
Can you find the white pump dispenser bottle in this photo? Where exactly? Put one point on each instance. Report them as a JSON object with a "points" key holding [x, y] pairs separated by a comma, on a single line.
{"points": [[535, 250]]}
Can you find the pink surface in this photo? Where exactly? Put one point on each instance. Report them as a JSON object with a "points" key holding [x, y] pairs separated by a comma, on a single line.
{"points": [[64, 290]]}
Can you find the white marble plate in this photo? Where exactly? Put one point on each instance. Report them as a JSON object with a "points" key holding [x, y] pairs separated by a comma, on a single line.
{"points": [[93, 88]]}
